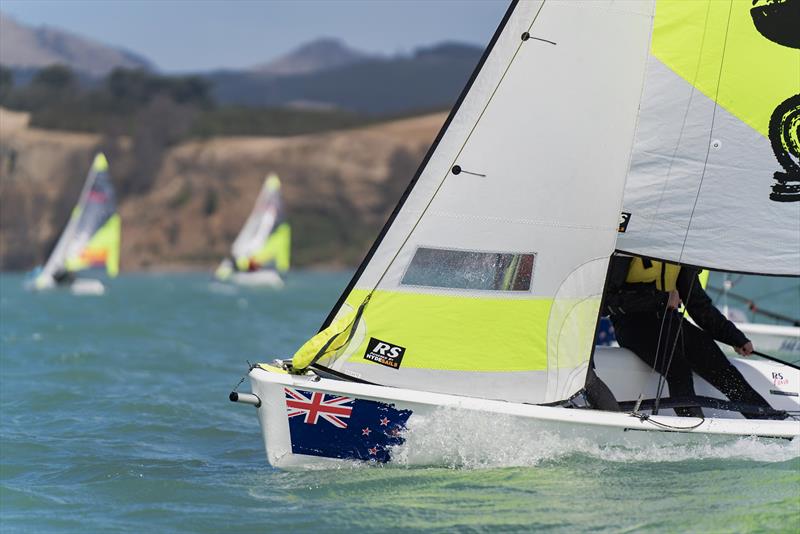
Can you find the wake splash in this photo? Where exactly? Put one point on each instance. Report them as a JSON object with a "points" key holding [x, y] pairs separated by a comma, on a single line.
{"points": [[473, 440]]}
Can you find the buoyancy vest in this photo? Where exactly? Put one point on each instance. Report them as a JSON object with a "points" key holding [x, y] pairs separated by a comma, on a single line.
{"points": [[664, 275]]}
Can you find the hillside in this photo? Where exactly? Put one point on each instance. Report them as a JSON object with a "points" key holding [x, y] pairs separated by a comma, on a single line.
{"points": [[315, 56], [339, 187], [430, 78], [24, 47]]}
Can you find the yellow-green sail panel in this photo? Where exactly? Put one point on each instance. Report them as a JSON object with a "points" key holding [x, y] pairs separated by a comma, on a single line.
{"points": [[459, 333], [265, 239], [277, 250], [715, 168], [102, 250], [717, 48]]}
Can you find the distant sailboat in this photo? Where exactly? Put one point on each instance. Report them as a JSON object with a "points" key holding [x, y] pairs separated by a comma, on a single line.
{"points": [[590, 128], [90, 240], [261, 251], [781, 340]]}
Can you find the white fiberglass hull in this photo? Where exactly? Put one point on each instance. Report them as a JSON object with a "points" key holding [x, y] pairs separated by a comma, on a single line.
{"points": [[79, 286], [308, 421], [265, 278], [87, 287]]}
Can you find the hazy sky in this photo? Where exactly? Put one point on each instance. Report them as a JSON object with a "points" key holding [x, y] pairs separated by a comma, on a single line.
{"points": [[186, 35]]}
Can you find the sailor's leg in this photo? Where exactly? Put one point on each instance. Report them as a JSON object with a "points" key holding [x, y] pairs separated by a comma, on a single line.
{"points": [[641, 334], [708, 361]]}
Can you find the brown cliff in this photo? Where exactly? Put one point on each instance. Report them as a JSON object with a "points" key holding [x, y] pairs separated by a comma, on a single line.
{"points": [[339, 187]]}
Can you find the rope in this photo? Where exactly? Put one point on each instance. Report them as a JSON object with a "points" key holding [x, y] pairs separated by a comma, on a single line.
{"points": [[659, 424], [250, 367], [678, 334], [710, 130], [452, 167], [655, 361]]}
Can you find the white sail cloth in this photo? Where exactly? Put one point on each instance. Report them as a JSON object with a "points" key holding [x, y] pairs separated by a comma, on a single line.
{"points": [[699, 187], [530, 170]]}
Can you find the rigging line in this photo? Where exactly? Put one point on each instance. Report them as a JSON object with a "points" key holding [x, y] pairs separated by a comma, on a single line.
{"points": [[662, 353], [678, 334], [655, 360], [423, 164], [460, 150], [659, 424], [685, 118], [710, 131], [250, 367]]}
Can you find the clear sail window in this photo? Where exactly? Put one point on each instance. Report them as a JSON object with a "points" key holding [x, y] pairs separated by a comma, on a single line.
{"points": [[466, 269]]}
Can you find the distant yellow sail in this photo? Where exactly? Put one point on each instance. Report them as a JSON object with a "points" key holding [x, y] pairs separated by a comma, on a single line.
{"points": [[91, 238], [265, 239]]}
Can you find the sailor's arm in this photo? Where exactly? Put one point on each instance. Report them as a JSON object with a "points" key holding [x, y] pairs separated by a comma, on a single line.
{"points": [[706, 315]]}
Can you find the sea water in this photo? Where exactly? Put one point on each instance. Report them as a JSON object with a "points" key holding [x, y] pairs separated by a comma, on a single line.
{"points": [[114, 417]]}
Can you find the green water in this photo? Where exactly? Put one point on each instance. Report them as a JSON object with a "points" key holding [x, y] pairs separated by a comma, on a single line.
{"points": [[114, 417]]}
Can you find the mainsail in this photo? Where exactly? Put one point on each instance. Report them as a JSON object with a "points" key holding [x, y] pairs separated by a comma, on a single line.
{"points": [[487, 279], [715, 170], [91, 238], [265, 240]]}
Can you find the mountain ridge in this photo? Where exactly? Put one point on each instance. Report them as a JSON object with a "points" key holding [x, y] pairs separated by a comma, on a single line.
{"points": [[317, 55], [26, 47]]}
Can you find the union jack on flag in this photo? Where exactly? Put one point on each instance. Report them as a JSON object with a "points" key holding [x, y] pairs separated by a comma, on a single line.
{"points": [[313, 405]]}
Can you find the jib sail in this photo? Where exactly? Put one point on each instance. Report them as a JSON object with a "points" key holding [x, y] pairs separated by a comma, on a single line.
{"points": [[487, 280]]}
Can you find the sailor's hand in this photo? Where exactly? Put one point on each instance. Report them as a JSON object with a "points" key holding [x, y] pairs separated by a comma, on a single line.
{"points": [[745, 350], [674, 301]]}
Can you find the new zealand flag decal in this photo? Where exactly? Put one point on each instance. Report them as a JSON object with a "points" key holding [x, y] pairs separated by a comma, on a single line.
{"points": [[328, 425]]}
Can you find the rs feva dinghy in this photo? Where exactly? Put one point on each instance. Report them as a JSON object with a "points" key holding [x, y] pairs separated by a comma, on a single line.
{"points": [[262, 249], [91, 239], [481, 296]]}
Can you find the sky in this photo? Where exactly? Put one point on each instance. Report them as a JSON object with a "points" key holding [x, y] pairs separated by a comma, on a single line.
{"points": [[200, 35]]}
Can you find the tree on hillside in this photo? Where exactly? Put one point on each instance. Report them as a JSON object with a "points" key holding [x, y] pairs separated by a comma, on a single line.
{"points": [[6, 83], [55, 78], [137, 87]]}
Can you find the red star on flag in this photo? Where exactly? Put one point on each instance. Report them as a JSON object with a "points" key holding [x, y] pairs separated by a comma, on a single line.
{"points": [[365, 431], [384, 421], [374, 450]]}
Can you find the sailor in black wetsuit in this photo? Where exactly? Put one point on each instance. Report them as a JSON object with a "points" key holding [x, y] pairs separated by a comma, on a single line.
{"points": [[642, 299]]}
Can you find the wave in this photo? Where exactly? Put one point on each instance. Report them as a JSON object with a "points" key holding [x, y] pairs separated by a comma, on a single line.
{"points": [[466, 439]]}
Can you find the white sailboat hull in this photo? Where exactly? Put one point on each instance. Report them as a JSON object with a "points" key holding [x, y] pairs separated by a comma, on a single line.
{"points": [[426, 415], [265, 278], [87, 287], [80, 286]]}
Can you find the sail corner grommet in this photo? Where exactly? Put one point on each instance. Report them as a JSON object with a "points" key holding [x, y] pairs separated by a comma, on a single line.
{"points": [[456, 169], [526, 36]]}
